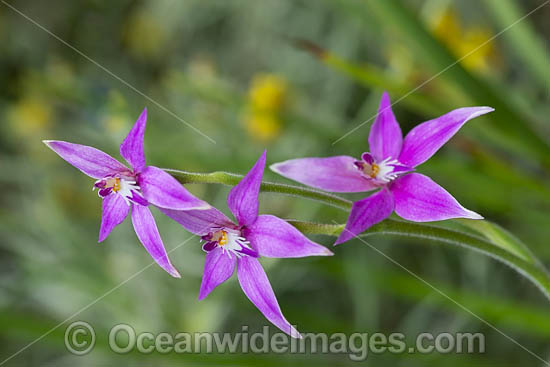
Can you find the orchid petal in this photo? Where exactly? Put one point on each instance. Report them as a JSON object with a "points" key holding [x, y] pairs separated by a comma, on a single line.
{"points": [[243, 198], [218, 267], [385, 138], [425, 139], [199, 222], [274, 237], [114, 212], [138, 199], [419, 199], [336, 174], [91, 161], [132, 147], [164, 191], [255, 285], [365, 213], [148, 234]]}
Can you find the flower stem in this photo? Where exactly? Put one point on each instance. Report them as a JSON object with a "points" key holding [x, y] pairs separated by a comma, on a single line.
{"points": [[535, 272], [231, 179]]}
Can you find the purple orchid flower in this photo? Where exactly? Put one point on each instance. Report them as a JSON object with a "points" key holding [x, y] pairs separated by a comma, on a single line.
{"points": [[122, 188], [228, 244], [388, 167]]}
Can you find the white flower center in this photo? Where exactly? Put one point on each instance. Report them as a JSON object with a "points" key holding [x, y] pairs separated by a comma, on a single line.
{"points": [[127, 188], [231, 242], [383, 171]]}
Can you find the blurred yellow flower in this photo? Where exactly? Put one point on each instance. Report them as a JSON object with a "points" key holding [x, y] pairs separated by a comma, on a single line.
{"points": [[266, 98], [400, 62], [461, 41], [267, 92], [30, 116], [264, 127], [144, 36]]}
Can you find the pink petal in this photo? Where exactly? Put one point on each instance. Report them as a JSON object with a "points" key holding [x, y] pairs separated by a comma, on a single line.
{"points": [[336, 174], [218, 267], [132, 147], [114, 212], [366, 213], [419, 199], [91, 161], [255, 285], [164, 191], [385, 138], [273, 237], [243, 198], [425, 139], [148, 234], [199, 222]]}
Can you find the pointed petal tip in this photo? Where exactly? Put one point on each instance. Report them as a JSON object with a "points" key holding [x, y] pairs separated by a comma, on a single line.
{"points": [[326, 252], [292, 331], [49, 143], [296, 335], [275, 167], [174, 273], [170, 269], [102, 236], [203, 206], [343, 237], [338, 242], [263, 157], [472, 215], [143, 115], [481, 111]]}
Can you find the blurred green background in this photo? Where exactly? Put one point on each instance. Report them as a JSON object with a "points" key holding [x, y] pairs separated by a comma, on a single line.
{"points": [[292, 77]]}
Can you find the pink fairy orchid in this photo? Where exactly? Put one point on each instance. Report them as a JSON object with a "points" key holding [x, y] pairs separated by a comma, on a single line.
{"points": [[122, 188], [388, 167], [228, 245]]}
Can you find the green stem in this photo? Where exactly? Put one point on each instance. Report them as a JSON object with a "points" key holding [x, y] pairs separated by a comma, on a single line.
{"points": [[537, 275], [231, 179]]}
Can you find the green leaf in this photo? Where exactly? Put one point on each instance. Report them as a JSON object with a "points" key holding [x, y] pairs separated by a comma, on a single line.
{"points": [[370, 75], [511, 124], [500, 237], [522, 37], [528, 268]]}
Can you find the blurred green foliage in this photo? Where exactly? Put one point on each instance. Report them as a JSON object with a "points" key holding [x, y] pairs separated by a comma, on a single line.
{"points": [[235, 70]]}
